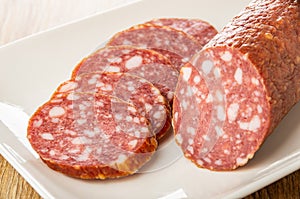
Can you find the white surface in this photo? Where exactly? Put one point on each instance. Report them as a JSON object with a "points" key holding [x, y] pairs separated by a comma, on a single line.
{"points": [[32, 68]]}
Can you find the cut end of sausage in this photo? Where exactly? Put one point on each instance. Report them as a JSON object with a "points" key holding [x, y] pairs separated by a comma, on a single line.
{"points": [[86, 136], [221, 110], [175, 44], [201, 30], [130, 88], [144, 63]]}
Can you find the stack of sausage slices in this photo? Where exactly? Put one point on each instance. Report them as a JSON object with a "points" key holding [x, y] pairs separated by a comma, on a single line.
{"points": [[106, 121]]}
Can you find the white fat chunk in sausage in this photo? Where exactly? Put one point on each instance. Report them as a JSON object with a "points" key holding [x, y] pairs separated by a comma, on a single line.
{"points": [[225, 136], [238, 76], [158, 115], [115, 60], [218, 162], [81, 121], [131, 88], [206, 159], [205, 137], [184, 104], [185, 59], [257, 93], [253, 125], [238, 142], [226, 56], [96, 76], [219, 131], [72, 96], [136, 120], [191, 130], [129, 83], [118, 117], [196, 91], [52, 152], [217, 73], [88, 103], [64, 157], [179, 139], [148, 107], [132, 143], [221, 113], [254, 81], [107, 87], [68, 86], [184, 47], [112, 69], [131, 109], [127, 42], [122, 158], [154, 90], [137, 134], [259, 109], [227, 152], [89, 133], [161, 99], [97, 130], [170, 95], [56, 111], [82, 107], [219, 95], [186, 73], [182, 91], [232, 112], [100, 84], [207, 65], [85, 155], [167, 42], [209, 98], [199, 162], [56, 100], [241, 161], [197, 79], [55, 120], [38, 123], [47, 136], [81, 140], [129, 118], [134, 62], [99, 150], [189, 91], [92, 81], [100, 104], [126, 51], [190, 149], [175, 117], [74, 151], [144, 129], [70, 132], [204, 150]]}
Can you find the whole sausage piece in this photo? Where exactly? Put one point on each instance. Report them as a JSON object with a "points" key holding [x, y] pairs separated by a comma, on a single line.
{"points": [[240, 86]]}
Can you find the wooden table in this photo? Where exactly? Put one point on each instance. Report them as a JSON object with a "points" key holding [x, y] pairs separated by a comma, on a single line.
{"points": [[21, 18]]}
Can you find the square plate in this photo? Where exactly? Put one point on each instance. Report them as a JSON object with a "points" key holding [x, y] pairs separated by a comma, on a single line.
{"points": [[33, 67]]}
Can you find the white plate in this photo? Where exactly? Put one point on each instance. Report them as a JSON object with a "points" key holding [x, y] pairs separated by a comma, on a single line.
{"points": [[32, 68]]}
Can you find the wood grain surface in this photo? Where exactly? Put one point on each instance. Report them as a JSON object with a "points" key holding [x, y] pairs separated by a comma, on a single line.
{"points": [[20, 18]]}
